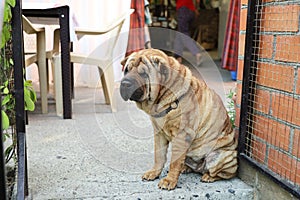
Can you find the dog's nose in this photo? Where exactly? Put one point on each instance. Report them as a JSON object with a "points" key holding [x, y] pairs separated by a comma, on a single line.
{"points": [[126, 88], [126, 83], [130, 89]]}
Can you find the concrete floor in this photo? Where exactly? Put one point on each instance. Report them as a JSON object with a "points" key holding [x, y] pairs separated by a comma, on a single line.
{"points": [[102, 155]]}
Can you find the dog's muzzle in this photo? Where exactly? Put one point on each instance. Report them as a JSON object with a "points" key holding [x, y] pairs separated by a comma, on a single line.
{"points": [[131, 89]]}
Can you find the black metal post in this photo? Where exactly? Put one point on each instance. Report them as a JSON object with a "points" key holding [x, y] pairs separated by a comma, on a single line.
{"points": [[22, 189], [65, 59], [249, 74], [18, 57]]}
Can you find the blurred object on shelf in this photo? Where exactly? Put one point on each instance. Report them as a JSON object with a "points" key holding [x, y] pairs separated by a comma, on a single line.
{"points": [[206, 28]]}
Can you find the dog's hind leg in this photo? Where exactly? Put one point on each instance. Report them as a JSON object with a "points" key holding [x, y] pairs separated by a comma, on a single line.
{"points": [[220, 164]]}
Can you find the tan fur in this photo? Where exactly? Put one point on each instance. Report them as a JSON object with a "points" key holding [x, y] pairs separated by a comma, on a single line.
{"points": [[198, 127]]}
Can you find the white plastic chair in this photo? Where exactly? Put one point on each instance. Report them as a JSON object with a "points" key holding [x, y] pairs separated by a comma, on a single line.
{"points": [[38, 57], [104, 64]]}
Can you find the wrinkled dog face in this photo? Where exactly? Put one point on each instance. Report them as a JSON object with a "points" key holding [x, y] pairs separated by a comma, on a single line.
{"points": [[143, 77]]}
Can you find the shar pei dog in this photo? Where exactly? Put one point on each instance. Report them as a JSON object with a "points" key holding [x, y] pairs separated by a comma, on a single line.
{"points": [[185, 113]]}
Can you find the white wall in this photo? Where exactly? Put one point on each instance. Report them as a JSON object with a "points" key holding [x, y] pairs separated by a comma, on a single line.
{"points": [[92, 14]]}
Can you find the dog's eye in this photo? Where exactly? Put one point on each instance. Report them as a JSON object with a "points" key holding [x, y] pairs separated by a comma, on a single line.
{"points": [[125, 70], [143, 75]]}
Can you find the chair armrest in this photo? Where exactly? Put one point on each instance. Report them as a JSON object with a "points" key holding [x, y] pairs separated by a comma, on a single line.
{"points": [[29, 28], [86, 31]]}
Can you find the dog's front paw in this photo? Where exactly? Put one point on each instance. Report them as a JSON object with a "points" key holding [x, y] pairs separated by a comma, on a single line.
{"points": [[151, 175], [167, 183]]}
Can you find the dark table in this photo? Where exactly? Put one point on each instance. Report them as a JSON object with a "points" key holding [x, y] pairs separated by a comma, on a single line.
{"points": [[62, 13]]}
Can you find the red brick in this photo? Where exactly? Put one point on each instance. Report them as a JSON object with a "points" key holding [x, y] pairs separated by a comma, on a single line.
{"points": [[286, 108], [288, 48], [237, 117], [272, 132], [275, 76], [240, 70], [243, 19], [296, 143], [238, 94], [280, 18], [242, 38], [298, 83], [265, 46], [258, 151], [296, 178], [262, 101], [284, 165]]}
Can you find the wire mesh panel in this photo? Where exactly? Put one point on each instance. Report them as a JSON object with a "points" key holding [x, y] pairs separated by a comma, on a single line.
{"points": [[271, 132]]}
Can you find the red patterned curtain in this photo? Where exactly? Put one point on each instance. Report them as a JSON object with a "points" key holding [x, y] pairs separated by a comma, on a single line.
{"points": [[136, 38], [231, 42]]}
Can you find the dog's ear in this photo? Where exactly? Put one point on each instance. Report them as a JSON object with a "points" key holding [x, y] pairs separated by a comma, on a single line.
{"points": [[157, 61], [164, 70], [123, 62], [161, 65]]}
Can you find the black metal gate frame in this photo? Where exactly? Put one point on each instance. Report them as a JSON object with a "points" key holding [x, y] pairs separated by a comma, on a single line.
{"points": [[249, 76], [18, 57]]}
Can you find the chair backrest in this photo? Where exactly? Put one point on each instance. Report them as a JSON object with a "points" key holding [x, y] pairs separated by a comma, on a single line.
{"points": [[112, 32], [117, 30]]}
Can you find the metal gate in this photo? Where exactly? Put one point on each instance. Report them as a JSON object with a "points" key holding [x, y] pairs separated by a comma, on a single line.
{"points": [[270, 108], [18, 59]]}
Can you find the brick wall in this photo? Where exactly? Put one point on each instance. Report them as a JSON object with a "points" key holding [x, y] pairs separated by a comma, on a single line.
{"points": [[275, 121]]}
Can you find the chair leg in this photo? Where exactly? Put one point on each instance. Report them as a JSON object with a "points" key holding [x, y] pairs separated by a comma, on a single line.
{"points": [[58, 84], [53, 71], [41, 57], [107, 81], [104, 86]]}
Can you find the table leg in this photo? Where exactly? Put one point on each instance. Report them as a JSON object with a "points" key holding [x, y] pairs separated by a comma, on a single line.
{"points": [[65, 61]]}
